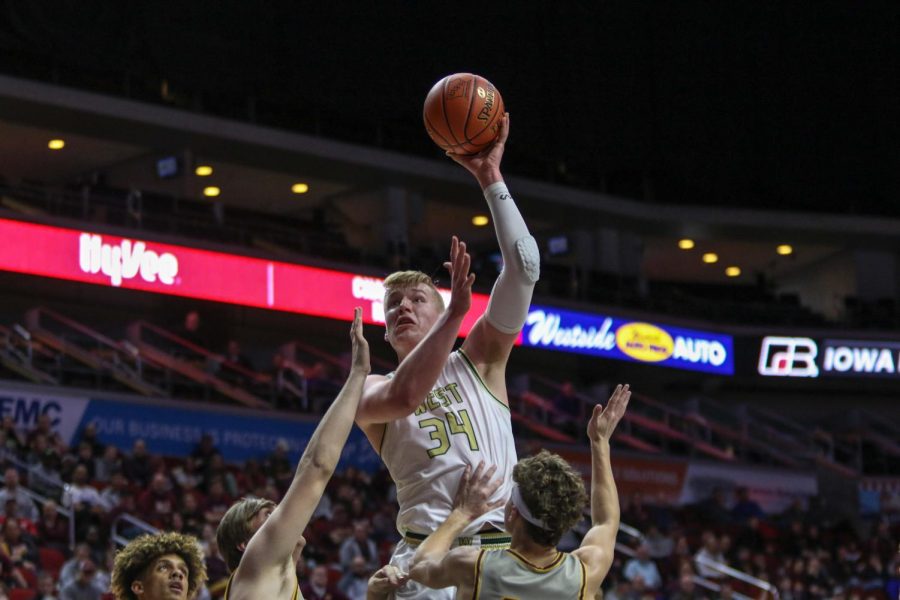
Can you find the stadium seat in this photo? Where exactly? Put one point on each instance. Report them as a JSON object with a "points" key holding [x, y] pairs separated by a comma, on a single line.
{"points": [[22, 594], [52, 560]]}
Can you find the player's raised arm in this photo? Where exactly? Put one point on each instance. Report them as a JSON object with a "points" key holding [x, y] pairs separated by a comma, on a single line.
{"points": [[492, 338], [423, 336], [273, 545], [434, 564], [597, 547]]}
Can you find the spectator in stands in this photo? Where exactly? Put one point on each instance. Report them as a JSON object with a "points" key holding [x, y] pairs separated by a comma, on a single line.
{"points": [[659, 544], [42, 426], [360, 544], [69, 569], [687, 589], [12, 491], [277, 465], [44, 478], [355, 582], [12, 438], [713, 510], [89, 435], [709, 552], [35, 450], [316, 587], [107, 463], [216, 468], [138, 467], [288, 384], [568, 407], [113, 493], [18, 547], [85, 456], [80, 494], [12, 513], [251, 478], [642, 567], [217, 501], [234, 356], [53, 528], [46, 587], [745, 508], [84, 586], [158, 502], [203, 453]]}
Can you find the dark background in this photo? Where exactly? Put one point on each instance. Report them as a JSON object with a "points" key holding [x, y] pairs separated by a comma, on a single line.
{"points": [[784, 105]]}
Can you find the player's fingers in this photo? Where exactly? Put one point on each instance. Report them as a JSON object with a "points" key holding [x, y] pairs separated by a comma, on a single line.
{"points": [[503, 134], [448, 266], [476, 476], [470, 280], [497, 504], [489, 473]]}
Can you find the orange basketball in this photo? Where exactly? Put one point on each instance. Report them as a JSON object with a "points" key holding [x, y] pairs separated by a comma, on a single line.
{"points": [[462, 113]]}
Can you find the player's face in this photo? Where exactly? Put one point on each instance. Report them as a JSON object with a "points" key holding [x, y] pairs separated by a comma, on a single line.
{"points": [[166, 579], [409, 314]]}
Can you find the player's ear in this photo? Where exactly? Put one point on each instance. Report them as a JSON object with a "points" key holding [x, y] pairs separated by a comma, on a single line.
{"points": [[242, 546], [385, 335], [137, 588]]}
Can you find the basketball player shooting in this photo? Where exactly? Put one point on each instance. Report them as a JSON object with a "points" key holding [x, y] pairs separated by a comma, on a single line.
{"points": [[545, 503], [442, 410]]}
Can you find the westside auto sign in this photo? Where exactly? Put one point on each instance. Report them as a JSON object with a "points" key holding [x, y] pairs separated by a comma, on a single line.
{"points": [[631, 340]]}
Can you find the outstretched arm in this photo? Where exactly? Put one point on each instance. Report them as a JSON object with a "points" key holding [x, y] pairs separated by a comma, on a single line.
{"points": [[434, 564], [387, 399], [596, 550], [494, 335], [274, 543]]}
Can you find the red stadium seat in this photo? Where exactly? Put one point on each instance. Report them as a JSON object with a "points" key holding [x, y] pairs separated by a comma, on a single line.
{"points": [[21, 594], [52, 560]]}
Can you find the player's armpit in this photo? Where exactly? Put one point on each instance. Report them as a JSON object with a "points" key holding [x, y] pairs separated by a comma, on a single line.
{"points": [[381, 403], [597, 559], [455, 568]]}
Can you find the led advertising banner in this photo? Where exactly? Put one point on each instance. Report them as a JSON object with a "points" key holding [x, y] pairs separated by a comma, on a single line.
{"points": [[787, 356], [625, 339], [135, 264]]}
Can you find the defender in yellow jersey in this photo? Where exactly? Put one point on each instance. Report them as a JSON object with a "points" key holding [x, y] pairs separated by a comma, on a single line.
{"points": [[546, 501], [260, 541], [442, 410], [163, 566]]}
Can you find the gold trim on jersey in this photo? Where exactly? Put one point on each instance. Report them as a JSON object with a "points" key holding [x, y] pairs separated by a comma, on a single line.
{"points": [[477, 587], [583, 579], [489, 540], [471, 366], [560, 557], [296, 595]]}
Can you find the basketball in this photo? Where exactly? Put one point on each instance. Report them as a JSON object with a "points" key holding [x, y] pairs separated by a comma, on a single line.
{"points": [[462, 113]]}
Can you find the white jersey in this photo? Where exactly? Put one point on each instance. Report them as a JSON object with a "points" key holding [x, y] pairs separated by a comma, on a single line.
{"points": [[459, 423]]}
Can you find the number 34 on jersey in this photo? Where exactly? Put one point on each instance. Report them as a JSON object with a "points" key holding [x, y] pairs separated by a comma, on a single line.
{"points": [[450, 422]]}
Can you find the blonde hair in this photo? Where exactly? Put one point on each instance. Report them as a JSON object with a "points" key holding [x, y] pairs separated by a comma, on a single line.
{"points": [[234, 528], [554, 493], [402, 280], [133, 561]]}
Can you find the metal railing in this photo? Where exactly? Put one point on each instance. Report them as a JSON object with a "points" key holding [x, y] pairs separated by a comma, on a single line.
{"points": [[120, 538]]}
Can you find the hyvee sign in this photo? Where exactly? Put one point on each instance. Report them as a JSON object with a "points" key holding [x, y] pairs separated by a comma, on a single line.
{"points": [[785, 356]]}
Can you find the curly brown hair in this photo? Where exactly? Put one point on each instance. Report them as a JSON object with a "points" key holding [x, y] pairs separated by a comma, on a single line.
{"points": [[407, 279], [134, 559], [553, 491]]}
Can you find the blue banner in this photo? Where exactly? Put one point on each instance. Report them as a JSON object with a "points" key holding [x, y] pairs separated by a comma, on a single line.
{"points": [[175, 431], [626, 339]]}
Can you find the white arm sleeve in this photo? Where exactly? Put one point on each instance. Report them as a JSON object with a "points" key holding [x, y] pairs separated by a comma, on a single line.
{"points": [[512, 291]]}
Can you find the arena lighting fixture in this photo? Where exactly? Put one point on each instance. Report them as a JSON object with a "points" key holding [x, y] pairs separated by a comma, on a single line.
{"points": [[710, 258], [686, 244], [56, 144], [211, 191], [784, 249], [203, 171], [480, 220], [300, 188], [733, 271]]}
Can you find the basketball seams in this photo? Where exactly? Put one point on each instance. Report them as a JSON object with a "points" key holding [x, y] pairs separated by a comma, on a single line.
{"points": [[444, 111], [472, 95], [447, 145]]}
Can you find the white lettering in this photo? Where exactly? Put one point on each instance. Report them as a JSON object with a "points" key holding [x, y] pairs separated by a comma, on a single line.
{"points": [[546, 331], [125, 260], [788, 357], [699, 350], [859, 360]]}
